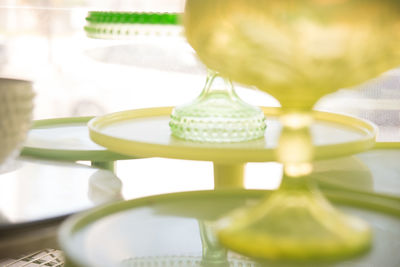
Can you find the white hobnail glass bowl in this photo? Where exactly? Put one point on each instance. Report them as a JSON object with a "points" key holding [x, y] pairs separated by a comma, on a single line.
{"points": [[16, 108]]}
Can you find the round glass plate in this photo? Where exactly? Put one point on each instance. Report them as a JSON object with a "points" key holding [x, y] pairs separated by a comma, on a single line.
{"points": [[37, 190], [375, 171], [146, 133], [177, 229], [65, 139], [36, 195]]}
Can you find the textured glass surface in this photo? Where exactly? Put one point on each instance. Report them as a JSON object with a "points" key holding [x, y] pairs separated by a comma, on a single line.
{"points": [[16, 108], [125, 25], [295, 223], [297, 51], [217, 115], [132, 17]]}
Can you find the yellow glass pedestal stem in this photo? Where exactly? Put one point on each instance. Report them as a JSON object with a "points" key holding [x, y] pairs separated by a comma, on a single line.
{"points": [[296, 222], [228, 176]]}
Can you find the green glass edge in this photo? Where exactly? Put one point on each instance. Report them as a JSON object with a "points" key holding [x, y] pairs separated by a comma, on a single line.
{"points": [[369, 201], [387, 145], [110, 17], [68, 155]]}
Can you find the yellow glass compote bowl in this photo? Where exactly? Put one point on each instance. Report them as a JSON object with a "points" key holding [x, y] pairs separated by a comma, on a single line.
{"points": [[297, 51]]}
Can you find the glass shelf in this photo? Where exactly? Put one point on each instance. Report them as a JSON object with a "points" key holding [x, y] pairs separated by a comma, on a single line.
{"points": [[65, 139]]}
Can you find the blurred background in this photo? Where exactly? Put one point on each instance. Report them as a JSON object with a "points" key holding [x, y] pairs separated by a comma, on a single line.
{"points": [[44, 41]]}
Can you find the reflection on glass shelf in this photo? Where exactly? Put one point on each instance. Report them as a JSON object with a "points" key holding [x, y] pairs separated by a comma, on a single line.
{"points": [[152, 176], [263, 175], [36, 190]]}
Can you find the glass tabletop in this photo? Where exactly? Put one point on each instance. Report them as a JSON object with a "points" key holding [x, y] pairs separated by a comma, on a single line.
{"points": [[35, 191], [65, 139]]}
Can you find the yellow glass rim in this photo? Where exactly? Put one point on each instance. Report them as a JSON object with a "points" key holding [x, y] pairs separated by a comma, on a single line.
{"points": [[223, 153]]}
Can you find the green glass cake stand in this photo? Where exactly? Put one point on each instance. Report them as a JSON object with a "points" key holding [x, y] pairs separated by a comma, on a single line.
{"points": [[165, 230], [67, 139]]}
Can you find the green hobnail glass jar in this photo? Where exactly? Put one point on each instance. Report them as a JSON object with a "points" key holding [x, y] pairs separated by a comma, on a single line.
{"points": [[217, 115]]}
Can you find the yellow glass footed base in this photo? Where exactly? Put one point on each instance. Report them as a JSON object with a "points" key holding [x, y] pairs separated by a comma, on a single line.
{"points": [[294, 224]]}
